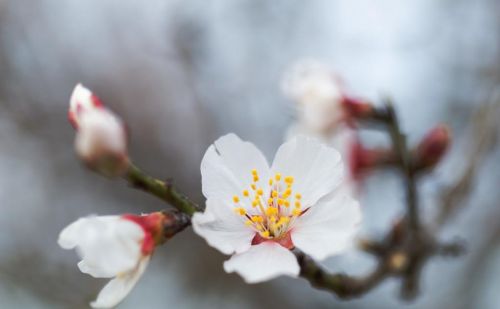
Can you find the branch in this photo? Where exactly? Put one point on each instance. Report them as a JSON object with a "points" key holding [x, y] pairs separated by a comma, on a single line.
{"points": [[342, 285], [164, 190]]}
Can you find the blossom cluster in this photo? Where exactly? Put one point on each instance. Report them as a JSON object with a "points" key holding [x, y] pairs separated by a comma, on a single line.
{"points": [[257, 211]]}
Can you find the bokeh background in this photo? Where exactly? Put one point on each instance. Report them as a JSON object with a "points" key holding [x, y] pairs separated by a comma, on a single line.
{"points": [[183, 72]]}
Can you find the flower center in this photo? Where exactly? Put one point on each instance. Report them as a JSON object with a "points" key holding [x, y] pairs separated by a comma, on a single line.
{"points": [[272, 212]]}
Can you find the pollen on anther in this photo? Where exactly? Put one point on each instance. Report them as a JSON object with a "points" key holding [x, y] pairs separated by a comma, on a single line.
{"points": [[236, 199], [255, 203], [253, 186], [297, 204], [254, 172], [255, 178], [270, 181], [240, 211], [265, 234], [289, 179], [298, 196], [277, 176], [248, 223], [296, 212], [245, 193], [274, 193], [260, 191], [257, 219]]}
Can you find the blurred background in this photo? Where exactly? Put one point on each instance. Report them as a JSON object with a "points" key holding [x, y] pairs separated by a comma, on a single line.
{"points": [[183, 72]]}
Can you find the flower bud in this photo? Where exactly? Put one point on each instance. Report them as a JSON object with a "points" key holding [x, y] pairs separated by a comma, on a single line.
{"points": [[357, 108], [432, 148], [362, 160], [101, 138]]}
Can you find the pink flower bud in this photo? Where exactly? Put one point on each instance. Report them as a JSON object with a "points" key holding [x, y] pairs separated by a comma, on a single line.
{"points": [[357, 108], [432, 147], [101, 138], [362, 160]]}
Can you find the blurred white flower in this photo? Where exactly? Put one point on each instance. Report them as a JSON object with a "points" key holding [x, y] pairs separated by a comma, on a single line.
{"points": [[101, 138], [258, 213], [318, 95], [117, 247]]}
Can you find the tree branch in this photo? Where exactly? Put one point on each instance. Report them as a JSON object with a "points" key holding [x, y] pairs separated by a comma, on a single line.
{"points": [[164, 190]]}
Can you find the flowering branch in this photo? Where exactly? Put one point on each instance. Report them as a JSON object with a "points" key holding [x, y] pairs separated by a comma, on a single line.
{"points": [[407, 246], [265, 218]]}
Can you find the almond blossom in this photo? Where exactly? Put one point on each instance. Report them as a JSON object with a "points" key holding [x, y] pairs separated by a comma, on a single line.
{"points": [[318, 94], [258, 213], [101, 138], [117, 247]]}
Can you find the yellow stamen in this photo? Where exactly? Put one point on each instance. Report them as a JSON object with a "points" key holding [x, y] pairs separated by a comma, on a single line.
{"points": [[260, 191], [265, 234], [236, 199], [255, 178], [270, 181], [255, 203], [298, 196], [253, 186], [241, 211], [287, 204], [248, 223], [296, 212], [297, 204], [270, 211], [254, 172], [289, 180], [281, 201], [257, 219], [277, 176], [274, 193], [245, 193]]}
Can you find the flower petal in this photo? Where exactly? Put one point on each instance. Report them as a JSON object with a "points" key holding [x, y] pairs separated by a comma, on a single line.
{"points": [[227, 165], [108, 245], [263, 262], [317, 168], [329, 227], [69, 236], [222, 228], [118, 288]]}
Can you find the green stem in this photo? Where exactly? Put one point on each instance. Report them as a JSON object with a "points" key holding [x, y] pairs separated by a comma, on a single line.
{"points": [[161, 189]]}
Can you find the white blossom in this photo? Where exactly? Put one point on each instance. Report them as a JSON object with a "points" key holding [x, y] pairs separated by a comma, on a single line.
{"points": [[318, 95], [257, 212], [110, 247]]}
